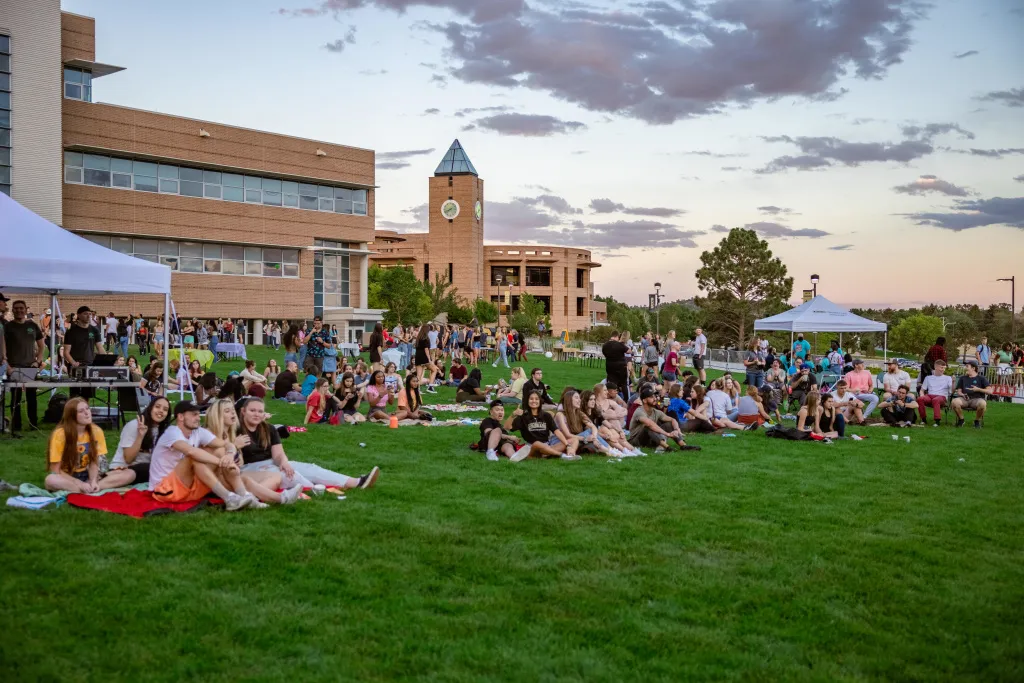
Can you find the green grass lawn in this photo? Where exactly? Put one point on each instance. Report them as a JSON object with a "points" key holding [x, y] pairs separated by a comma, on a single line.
{"points": [[754, 559]]}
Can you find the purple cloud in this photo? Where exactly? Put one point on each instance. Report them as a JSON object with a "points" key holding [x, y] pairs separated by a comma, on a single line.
{"points": [[769, 229], [970, 213], [526, 125], [719, 228], [559, 205], [420, 220], [608, 206], [776, 211], [930, 183], [1014, 97], [390, 161]]}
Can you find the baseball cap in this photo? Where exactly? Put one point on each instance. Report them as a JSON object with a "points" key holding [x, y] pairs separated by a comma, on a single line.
{"points": [[806, 366], [185, 407], [48, 311], [858, 361], [84, 309], [647, 393], [3, 298]]}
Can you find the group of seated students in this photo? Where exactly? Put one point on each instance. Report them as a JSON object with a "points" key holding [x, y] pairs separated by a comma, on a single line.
{"points": [[237, 457]]}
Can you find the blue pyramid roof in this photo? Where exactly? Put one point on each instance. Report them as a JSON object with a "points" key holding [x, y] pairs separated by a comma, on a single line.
{"points": [[455, 162]]}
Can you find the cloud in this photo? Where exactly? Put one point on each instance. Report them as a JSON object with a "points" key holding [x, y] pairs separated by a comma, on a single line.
{"points": [[462, 113], [769, 229], [527, 125], [340, 44], [660, 61], [776, 210], [962, 55], [553, 202], [431, 112], [732, 168], [608, 206], [719, 228], [389, 161], [1019, 179], [373, 72], [990, 153], [929, 183], [420, 221], [976, 213], [930, 131], [442, 81], [841, 247], [715, 155], [1014, 97]]}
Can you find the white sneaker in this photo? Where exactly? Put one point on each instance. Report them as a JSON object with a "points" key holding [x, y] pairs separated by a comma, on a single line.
{"points": [[289, 496], [253, 501], [659, 449], [235, 502], [495, 365], [637, 451], [492, 455], [257, 505], [521, 454], [566, 456]]}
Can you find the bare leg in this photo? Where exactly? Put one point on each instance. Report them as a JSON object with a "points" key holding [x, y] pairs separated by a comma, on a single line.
{"points": [[232, 478], [263, 485], [116, 479], [507, 449], [63, 482], [493, 439], [542, 450], [958, 408]]}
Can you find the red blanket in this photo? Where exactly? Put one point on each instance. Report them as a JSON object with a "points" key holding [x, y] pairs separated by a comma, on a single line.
{"points": [[134, 503]]}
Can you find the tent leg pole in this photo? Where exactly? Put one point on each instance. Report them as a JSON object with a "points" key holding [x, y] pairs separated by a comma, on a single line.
{"points": [[885, 346], [53, 334], [167, 337], [791, 360]]}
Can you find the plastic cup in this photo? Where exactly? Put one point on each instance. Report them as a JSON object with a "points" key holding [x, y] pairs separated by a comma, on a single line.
{"points": [[907, 439], [895, 437]]}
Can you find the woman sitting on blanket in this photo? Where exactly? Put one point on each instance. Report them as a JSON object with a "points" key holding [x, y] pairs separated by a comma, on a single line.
{"points": [[470, 389], [222, 421], [540, 432], [571, 419], [73, 454], [616, 438], [349, 398], [392, 379], [263, 453], [135, 447], [613, 408], [379, 396], [318, 405], [195, 371], [513, 393], [410, 405]]}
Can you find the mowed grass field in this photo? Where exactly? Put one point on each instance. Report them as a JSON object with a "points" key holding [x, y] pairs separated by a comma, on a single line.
{"points": [[754, 559]]}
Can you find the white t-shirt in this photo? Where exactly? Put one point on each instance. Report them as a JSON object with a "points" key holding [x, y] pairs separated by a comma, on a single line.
{"points": [[165, 458], [432, 336], [700, 345], [892, 381], [721, 403], [844, 399], [937, 386], [128, 436], [111, 325]]}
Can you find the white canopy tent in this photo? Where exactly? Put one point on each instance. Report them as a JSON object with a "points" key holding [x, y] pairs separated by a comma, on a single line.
{"points": [[39, 257], [821, 315]]}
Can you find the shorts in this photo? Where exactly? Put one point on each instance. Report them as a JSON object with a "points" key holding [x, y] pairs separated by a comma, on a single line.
{"points": [[971, 403], [554, 440], [668, 376], [698, 362], [190, 340], [173, 490], [141, 471], [81, 476]]}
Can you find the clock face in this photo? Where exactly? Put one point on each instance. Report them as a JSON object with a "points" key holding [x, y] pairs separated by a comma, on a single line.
{"points": [[450, 209], [478, 210]]}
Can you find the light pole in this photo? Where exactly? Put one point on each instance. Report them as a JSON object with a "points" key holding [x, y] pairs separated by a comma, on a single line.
{"points": [[657, 307], [814, 283], [1013, 304]]}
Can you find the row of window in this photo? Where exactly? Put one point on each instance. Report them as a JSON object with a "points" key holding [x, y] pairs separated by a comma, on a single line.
{"points": [[205, 257], [503, 308], [146, 176], [77, 84], [5, 115], [536, 276], [330, 277]]}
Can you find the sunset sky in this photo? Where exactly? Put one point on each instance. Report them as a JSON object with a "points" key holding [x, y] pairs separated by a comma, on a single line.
{"points": [[879, 143]]}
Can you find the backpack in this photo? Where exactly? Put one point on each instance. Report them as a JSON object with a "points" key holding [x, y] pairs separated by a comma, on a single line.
{"points": [[55, 408]]}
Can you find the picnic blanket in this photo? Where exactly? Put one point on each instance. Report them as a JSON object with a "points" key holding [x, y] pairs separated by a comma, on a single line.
{"points": [[434, 423], [134, 503], [457, 407]]}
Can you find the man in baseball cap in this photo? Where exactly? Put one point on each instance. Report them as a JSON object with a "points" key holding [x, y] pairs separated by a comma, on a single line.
{"points": [[649, 426]]}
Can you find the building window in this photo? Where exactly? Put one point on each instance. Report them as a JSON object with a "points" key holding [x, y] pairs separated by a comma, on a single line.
{"points": [[581, 305], [77, 84], [209, 258], [144, 176], [504, 276], [330, 279], [581, 278], [451, 272], [503, 309], [5, 115], [426, 272], [538, 277], [546, 301]]}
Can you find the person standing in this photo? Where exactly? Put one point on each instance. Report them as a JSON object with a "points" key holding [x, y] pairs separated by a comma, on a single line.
{"points": [[82, 342], [700, 349], [3, 344], [614, 352], [984, 353], [110, 330], [801, 347], [25, 345], [317, 343], [754, 361]]}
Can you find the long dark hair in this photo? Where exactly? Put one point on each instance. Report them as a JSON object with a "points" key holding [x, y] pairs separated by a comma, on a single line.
{"points": [[232, 389], [373, 378], [377, 336], [289, 337], [412, 394], [473, 374], [69, 426], [161, 427]]}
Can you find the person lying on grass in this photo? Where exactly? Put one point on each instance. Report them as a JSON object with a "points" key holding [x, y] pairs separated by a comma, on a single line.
{"points": [[349, 398], [540, 432], [470, 389], [262, 451], [651, 427], [410, 405], [571, 419], [73, 454], [189, 462], [495, 439], [616, 438], [135, 447], [379, 396], [222, 421]]}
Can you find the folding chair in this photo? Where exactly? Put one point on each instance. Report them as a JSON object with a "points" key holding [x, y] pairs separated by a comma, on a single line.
{"points": [[827, 381]]}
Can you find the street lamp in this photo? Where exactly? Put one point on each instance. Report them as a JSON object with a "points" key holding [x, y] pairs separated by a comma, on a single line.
{"points": [[1013, 304], [814, 281], [657, 307]]}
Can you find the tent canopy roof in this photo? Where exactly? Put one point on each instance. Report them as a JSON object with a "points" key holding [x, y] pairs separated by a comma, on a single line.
{"points": [[40, 257], [819, 315]]}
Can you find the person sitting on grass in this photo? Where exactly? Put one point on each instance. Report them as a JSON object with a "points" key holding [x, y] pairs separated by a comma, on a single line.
{"points": [[73, 454], [410, 405], [135, 447], [829, 422], [512, 393], [264, 453], [379, 396], [696, 418], [540, 432], [222, 421], [318, 405], [392, 379], [151, 382], [494, 439], [893, 379], [802, 384], [232, 388], [469, 390], [616, 438], [284, 382], [770, 401], [649, 426], [806, 418], [612, 408], [971, 390], [849, 405], [861, 384], [900, 409], [935, 391], [349, 398], [571, 419], [195, 371], [457, 374], [751, 410], [721, 406], [189, 462], [271, 372], [535, 385]]}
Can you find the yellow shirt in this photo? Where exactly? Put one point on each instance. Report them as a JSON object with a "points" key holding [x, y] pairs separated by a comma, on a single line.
{"points": [[84, 456]]}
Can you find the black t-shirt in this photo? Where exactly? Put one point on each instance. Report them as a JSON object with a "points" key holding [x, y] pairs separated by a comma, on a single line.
{"points": [[122, 330], [82, 341], [469, 385], [350, 403], [535, 427], [531, 387], [283, 383], [614, 353], [487, 425], [965, 383], [21, 339], [421, 351], [254, 452]]}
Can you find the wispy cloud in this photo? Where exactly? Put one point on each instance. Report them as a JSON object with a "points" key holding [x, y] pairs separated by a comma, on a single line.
{"points": [[608, 206], [930, 183], [1014, 97], [526, 125], [969, 53], [769, 229], [390, 161], [340, 44], [420, 220], [777, 211], [976, 213], [841, 247]]}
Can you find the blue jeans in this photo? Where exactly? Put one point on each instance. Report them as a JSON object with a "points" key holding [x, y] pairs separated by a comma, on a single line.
{"points": [[755, 379], [123, 341], [213, 346], [502, 355]]}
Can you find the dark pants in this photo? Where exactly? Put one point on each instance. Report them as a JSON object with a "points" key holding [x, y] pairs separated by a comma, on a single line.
{"points": [[31, 408], [894, 416], [618, 375]]}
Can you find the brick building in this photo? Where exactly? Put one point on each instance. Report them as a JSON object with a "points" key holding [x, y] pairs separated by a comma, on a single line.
{"points": [[454, 247], [253, 224]]}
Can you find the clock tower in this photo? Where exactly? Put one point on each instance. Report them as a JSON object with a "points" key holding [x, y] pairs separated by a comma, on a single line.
{"points": [[455, 243]]}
